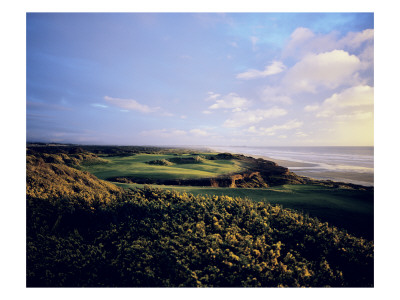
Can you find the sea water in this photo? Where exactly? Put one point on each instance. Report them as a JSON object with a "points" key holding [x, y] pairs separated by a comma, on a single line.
{"points": [[343, 164]]}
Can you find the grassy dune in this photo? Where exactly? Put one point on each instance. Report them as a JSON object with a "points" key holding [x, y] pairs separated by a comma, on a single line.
{"points": [[137, 166], [352, 210]]}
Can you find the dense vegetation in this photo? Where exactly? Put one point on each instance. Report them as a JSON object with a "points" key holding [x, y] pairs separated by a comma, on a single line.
{"points": [[82, 231], [348, 209]]}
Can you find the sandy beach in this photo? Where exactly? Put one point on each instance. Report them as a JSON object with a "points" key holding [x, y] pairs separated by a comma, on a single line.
{"points": [[313, 171], [286, 163]]}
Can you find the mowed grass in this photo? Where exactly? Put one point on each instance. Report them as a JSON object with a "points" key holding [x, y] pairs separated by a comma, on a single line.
{"points": [[351, 210], [136, 167]]}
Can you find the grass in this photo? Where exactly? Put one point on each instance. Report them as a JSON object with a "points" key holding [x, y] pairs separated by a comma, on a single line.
{"points": [[136, 167], [352, 210], [347, 209]]}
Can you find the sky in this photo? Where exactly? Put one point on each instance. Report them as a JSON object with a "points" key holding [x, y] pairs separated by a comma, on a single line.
{"points": [[209, 79]]}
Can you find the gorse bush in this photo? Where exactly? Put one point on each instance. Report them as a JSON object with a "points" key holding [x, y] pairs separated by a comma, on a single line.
{"points": [[96, 234]]}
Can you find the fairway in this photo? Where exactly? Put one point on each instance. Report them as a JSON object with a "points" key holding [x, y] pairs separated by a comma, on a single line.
{"points": [[136, 166], [347, 209]]}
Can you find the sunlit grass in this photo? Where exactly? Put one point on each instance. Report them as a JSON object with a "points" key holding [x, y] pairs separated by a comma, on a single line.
{"points": [[137, 166]]}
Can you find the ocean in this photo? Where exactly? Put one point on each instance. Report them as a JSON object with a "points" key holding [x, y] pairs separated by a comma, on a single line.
{"points": [[343, 164]]}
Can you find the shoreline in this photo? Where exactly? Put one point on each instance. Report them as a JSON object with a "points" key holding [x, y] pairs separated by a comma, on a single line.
{"points": [[305, 169]]}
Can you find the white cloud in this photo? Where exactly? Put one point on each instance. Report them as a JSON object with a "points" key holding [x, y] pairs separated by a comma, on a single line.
{"points": [[274, 94], [207, 112], [212, 96], [327, 70], [230, 101], [355, 96], [131, 104], [287, 126], [300, 35], [298, 39], [252, 129], [301, 134], [356, 101], [311, 107], [99, 105], [199, 132], [191, 135], [354, 40], [367, 55], [273, 130], [303, 42], [357, 115], [243, 118], [274, 68]]}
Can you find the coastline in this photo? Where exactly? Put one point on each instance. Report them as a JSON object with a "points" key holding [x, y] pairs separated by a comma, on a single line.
{"points": [[315, 171]]}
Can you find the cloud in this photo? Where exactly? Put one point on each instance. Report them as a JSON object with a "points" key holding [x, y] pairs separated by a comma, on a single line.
{"points": [[199, 132], [355, 101], [301, 134], [298, 40], [184, 135], [273, 129], [230, 101], [274, 68], [274, 94], [301, 35], [354, 40], [131, 104], [327, 70], [99, 105], [356, 115], [355, 96], [304, 41], [212, 96], [309, 108], [243, 118]]}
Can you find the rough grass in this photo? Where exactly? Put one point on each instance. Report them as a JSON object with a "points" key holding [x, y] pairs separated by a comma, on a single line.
{"points": [[348, 209], [137, 166]]}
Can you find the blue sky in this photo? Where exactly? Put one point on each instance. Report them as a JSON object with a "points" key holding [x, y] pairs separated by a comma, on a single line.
{"points": [[256, 79]]}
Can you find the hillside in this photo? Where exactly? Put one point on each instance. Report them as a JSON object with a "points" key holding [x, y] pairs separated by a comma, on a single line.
{"points": [[82, 231]]}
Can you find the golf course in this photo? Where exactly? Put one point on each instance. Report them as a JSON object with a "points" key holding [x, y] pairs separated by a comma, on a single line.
{"points": [[108, 217], [349, 209]]}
